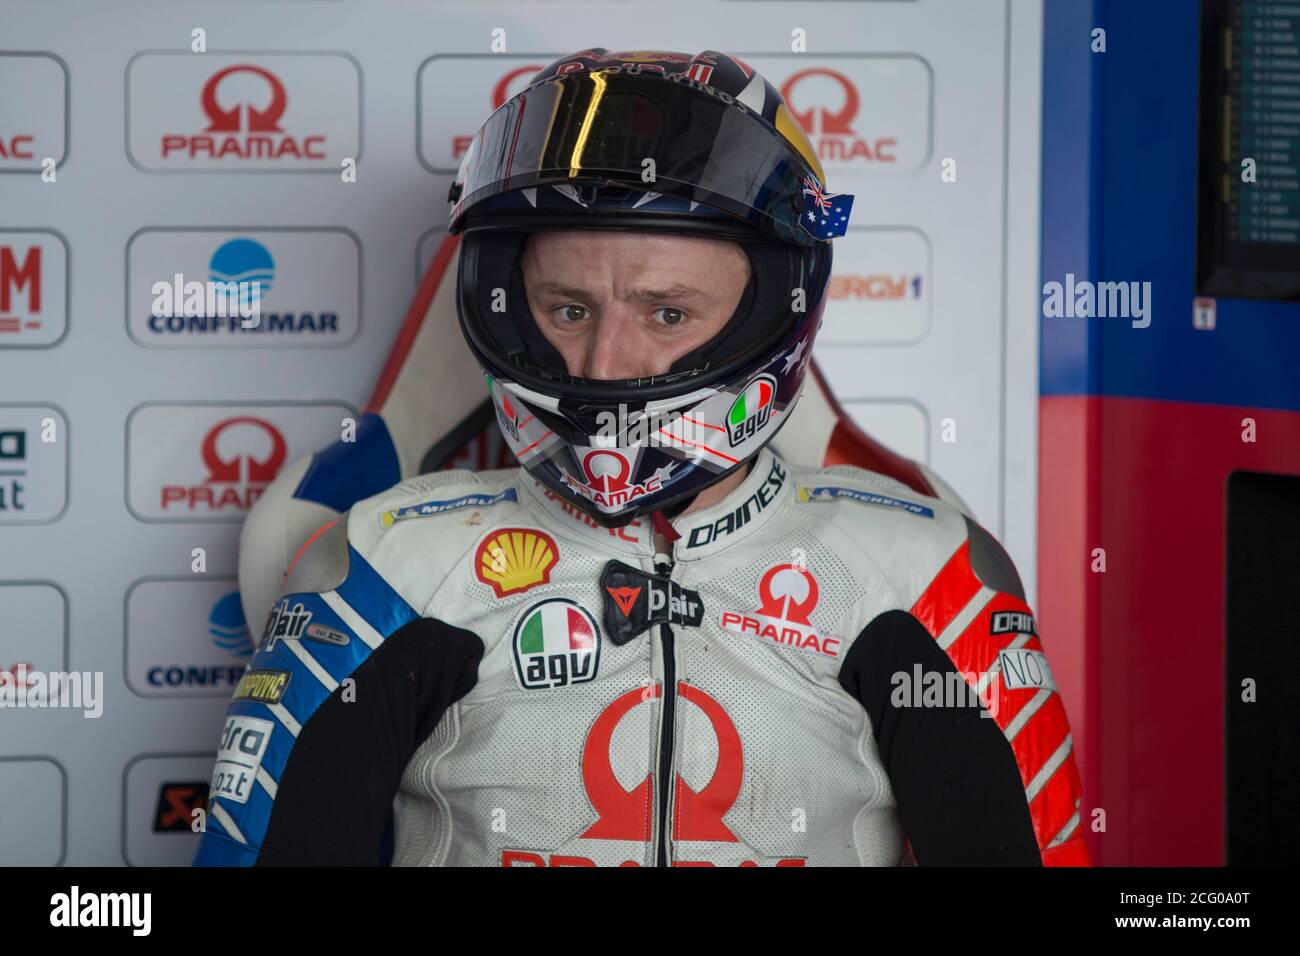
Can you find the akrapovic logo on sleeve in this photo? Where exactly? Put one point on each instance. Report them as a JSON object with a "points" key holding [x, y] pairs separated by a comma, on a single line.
{"points": [[263, 686]]}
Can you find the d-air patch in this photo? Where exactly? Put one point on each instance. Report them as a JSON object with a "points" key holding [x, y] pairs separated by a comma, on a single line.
{"points": [[262, 686], [284, 623], [636, 600], [515, 559], [807, 494], [556, 643], [428, 508], [294, 623]]}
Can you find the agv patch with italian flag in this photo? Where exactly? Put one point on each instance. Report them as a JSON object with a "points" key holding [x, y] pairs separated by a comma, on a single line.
{"points": [[751, 409], [557, 643]]}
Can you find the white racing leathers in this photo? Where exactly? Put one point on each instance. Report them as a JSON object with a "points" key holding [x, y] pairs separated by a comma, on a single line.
{"points": [[829, 669]]}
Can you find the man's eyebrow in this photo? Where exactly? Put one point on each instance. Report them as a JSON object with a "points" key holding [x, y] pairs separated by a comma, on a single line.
{"points": [[555, 288], [675, 292]]}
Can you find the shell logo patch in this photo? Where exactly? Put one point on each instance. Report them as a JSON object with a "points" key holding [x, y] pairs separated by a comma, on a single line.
{"points": [[515, 559]]}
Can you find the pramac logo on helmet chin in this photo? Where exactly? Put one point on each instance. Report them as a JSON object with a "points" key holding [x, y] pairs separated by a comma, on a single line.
{"points": [[607, 486]]}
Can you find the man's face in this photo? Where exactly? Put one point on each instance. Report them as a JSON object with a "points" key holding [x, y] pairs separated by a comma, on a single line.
{"points": [[620, 305]]}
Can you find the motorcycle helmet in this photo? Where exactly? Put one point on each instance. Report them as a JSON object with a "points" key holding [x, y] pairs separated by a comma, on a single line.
{"points": [[660, 142]]}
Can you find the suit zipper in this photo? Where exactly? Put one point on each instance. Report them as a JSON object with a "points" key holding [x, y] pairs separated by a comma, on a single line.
{"points": [[667, 730], [666, 741]]}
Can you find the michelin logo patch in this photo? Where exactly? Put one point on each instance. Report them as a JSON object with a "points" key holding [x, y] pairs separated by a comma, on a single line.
{"points": [[428, 508], [825, 493]]}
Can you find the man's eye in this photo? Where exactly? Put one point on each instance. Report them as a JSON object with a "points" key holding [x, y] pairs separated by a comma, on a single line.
{"points": [[670, 316], [573, 313]]}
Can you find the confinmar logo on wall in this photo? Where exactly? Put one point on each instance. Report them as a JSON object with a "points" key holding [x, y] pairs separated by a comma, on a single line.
{"points": [[185, 637], [456, 92], [194, 288], [33, 635], [880, 292], [33, 811], [887, 130], [242, 112], [33, 111], [33, 464], [161, 794], [211, 462], [33, 288]]}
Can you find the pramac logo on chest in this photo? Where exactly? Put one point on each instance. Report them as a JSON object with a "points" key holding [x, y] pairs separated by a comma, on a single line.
{"points": [[787, 595]]}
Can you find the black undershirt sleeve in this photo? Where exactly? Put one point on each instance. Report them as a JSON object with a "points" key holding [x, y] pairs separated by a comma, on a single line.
{"points": [[960, 797], [335, 797]]}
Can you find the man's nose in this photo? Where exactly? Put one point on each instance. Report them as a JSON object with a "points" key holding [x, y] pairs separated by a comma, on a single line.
{"points": [[617, 350]]}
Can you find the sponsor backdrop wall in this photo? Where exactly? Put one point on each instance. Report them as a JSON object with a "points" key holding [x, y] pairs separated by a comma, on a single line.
{"points": [[130, 447]]}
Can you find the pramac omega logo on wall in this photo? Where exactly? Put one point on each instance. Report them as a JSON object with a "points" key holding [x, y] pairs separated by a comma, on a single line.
{"points": [[889, 130], [240, 112], [233, 480], [454, 92], [209, 462]]}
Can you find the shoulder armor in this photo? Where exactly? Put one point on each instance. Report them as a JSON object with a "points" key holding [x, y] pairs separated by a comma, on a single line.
{"points": [[910, 537], [321, 564], [414, 533]]}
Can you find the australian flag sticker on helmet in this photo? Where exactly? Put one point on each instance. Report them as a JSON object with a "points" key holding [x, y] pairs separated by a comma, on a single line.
{"points": [[556, 643], [824, 215], [751, 409]]}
